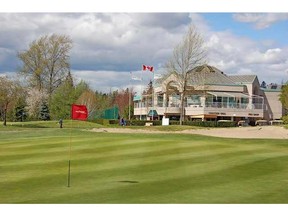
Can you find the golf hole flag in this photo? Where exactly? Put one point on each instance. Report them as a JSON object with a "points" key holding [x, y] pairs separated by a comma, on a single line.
{"points": [[79, 112]]}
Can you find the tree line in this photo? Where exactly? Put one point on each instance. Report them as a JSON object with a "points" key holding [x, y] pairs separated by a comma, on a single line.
{"points": [[19, 102], [47, 88]]}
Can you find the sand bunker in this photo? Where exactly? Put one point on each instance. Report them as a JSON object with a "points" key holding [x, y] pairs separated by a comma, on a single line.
{"points": [[265, 132]]}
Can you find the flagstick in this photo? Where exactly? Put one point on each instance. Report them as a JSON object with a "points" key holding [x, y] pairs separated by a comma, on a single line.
{"points": [[78, 112], [69, 165], [69, 162]]}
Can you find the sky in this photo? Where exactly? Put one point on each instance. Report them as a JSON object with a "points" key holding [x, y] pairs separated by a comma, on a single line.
{"points": [[109, 46]]}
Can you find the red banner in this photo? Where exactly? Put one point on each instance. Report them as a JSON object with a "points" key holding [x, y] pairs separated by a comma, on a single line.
{"points": [[79, 112]]}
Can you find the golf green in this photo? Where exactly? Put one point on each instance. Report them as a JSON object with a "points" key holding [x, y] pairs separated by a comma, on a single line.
{"points": [[139, 168]]}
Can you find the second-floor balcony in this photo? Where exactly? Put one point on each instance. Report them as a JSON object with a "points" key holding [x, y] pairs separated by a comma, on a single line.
{"points": [[255, 109], [220, 103]]}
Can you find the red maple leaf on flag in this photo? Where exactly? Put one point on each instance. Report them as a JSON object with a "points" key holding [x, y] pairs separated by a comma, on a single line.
{"points": [[149, 68]]}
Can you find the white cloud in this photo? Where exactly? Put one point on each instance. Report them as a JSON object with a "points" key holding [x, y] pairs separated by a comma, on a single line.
{"points": [[103, 80], [101, 41], [200, 23], [226, 50], [240, 55], [111, 40], [270, 56], [260, 21], [160, 20], [245, 71], [107, 81], [107, 46]]}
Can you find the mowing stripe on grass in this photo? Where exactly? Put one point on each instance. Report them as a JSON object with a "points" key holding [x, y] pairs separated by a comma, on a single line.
{"points": [[141, 168]]}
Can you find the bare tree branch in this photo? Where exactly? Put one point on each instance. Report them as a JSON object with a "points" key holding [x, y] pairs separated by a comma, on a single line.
{"points": [[187, 55]]}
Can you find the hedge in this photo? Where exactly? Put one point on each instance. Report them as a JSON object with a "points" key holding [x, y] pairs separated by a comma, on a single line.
{"points": [[190, 123], [201, 123], [172, 122]]}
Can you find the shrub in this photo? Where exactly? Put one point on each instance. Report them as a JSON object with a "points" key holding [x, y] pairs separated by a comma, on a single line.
{"points": [[226, 124], [143, 122], [201, 123], [137, 122], [114, 121], [285, 119], [174, 122]]}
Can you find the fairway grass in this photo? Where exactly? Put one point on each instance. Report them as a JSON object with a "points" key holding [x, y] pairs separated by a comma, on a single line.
{"points": [[139, 168]]}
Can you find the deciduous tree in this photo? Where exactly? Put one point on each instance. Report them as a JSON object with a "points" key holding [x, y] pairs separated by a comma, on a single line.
{"points": [[187, 55], [34, 100], [89, 99], [10, 91], [122, 101], [46, 62]]}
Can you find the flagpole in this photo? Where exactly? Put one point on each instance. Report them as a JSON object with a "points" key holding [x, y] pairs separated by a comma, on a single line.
{"points": [[78, 112], [69, 161], [153, 111], [141, 93], [129, 109]]}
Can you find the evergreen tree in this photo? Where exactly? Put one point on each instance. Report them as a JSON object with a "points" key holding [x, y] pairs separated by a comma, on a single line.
{"points": [[263, 85], [44, 112], [20, 113]]}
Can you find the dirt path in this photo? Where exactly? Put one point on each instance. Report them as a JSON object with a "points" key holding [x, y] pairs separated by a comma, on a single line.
{"points": [[265, 132]]}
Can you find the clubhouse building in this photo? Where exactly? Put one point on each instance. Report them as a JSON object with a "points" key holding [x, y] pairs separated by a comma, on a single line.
{"points": [[211, 95]]}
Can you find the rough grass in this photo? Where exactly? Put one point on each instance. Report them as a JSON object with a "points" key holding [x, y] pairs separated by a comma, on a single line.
{"points": [[138, 168]]}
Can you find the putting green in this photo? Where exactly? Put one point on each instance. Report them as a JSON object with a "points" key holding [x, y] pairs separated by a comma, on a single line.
{"points": [[139, 168]]}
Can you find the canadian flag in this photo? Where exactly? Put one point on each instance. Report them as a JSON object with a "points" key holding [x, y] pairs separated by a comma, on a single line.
{"points": [[145, 67]]}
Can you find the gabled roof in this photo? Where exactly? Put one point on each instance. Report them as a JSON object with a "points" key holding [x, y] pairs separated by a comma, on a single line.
{"points": [[209, 75], [239, 79], [206, 74]]}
